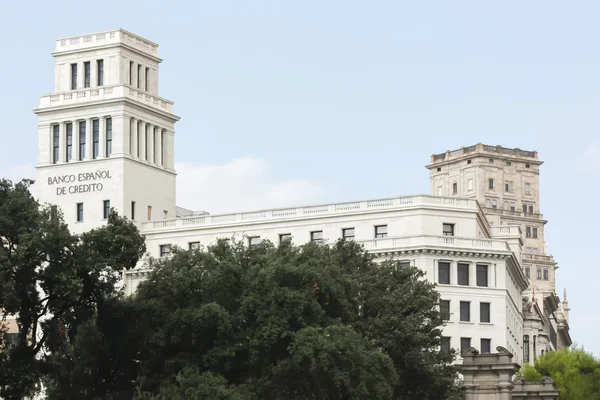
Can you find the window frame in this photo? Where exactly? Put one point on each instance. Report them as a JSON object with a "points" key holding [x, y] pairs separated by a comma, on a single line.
{"points": [[74, 76], [108, 135], [451, 231], [348, 237], [87, 74], [439, 268], [454, 188], [55, 143], [462, 347], [105, 210], [466, 310], [381, 235], [285, 237], [490, 183], [445, 344], [488, 345], [100, 72], [95, 139], [82, 135], [445, 310], [79, 212], [315, 239], [254, 240], [68, 142], [464, 267], [480, 268], [164, 250], [482, 306], [194, 245]]}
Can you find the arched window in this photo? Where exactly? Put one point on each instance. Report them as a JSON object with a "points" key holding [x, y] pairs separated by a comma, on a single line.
{"points": [[526, 348]]}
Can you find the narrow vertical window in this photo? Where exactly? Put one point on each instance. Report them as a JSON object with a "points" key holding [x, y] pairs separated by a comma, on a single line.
{"points": [[69, 138], [465, 344], [82, 136], [100, 71], [528, 188], [87, 73], [131, 73], [147, 79], [486, 346], [108, 124], [528, 231], [79, 212], [484, 312], [139, 128], [448, 229], [95, 138], [146, 142], [106, 208], [470, 183], [535, 232], [445, 345], [133, 210], [162, 147], [491, 184], [149, 213], [381, 231], [455, 188], [73, 76], [444, 273], [531, 209], [463, 274], [55, 143], [524, 208], [526, 348], [482, 275], [139, 75], [465, 311], [445, 309], [494, 204]]}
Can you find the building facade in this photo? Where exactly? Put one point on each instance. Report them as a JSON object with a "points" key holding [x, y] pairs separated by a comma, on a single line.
{"points": [[106, 141]]}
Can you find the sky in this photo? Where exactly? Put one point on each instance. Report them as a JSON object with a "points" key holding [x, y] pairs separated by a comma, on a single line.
{"points": [[295, 102]]}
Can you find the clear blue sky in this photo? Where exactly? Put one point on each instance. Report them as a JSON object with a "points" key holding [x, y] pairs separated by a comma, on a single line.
{"points": [[295, 101]]}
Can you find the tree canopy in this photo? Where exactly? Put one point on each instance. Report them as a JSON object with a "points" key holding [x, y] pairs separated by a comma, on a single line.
{"points": [[575, 372], [266, 322], [52, 280]]}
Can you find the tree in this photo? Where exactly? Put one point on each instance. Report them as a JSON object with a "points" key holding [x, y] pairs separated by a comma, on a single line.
{"points": [[575, 372], [309, 322], [51, 280]]}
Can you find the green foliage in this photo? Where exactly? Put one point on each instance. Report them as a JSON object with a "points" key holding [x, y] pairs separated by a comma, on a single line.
{"points": [[529, 373], [51, 280], [309, 322], [575, 372]]}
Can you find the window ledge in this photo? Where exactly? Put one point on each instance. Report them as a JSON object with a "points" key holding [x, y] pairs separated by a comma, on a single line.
{"points": [[486, 323], [466, 322]]}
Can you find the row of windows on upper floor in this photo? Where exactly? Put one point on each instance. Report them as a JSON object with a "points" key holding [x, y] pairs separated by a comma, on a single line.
{"points": [[527, 207], [83, 137], [492, 161], [87, 75], [106, 211], [542, 273], [465, 311], [380, 231], [526, 349], [465, 344], [463, 274]]}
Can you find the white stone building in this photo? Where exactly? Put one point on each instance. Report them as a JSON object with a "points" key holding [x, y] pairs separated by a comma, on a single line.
{"points": [[106, 141]]}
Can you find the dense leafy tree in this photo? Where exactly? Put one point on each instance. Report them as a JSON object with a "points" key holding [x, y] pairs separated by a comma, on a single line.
{"points": [[575, 372], [51, 280], [309, 322]]}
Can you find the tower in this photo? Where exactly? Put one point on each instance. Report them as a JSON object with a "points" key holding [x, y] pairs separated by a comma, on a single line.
{"points": [[505, 182], [106, 138]]}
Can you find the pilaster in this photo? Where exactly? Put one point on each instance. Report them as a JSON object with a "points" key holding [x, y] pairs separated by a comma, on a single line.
{"points": [[62, 142], [102, 137]]}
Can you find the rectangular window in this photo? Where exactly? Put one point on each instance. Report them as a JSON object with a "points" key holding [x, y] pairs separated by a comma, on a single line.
{"points": [[463, 274], [162, 146], [147, 78], [82, 136], [531, 209], [87, 73], [527, 166], [526, 348], [146, 142], [381, 231], [465, 344], [528, 231], [254, 240], [444, 273], [545, 274], [108, 123], [149, 213], [527, 272], [535, 232], [491, 160], [55, 143], [165, 250], [316, 236], [79, 212], [482, 275], [106, 208], [139, 77], [528, 188], [494, 204], [486, 346], [165, 214], [194, 245], [448, 229], [133, 210], [95, 138], [130, 73], [488, 203], [285, 237], [539, 272], [403, 265], [465, 311], [445, 310], [512, 206], [524, 208], [491, 184], [100, 72], [484, 312], [508, 164], [139, 129], [440, 190], [470, 184], [455, 188], [348, 233], [445, 345], [73, 76], [69, 138]]}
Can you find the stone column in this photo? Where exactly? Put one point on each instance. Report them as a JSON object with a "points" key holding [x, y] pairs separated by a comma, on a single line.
{"points": [[102, 137], [134, 137], [150, 143], [62, 142], [80, 75], [157, 146], [142, 135]]}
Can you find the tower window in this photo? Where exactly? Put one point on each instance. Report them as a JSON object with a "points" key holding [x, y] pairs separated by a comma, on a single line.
{"points": [[381, 231], [133, 210], [535, 232], [82, 136], [95, 138], [527, 166], [149, 213], [147, 142], [100, 70], [455, 188], [139, 73], [348, 233], [73, 76], [106, 208], [491, 160], [491, 184], [69, 127], [528, 188], [108, 136], [131, 73], [55, 143], [508, 163], [526, 348], [531, 209], [468, 161], [162, 147], [79, 212], [147, 79], [448, 229], [87, 73], [439, 169], [484, 312]]}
